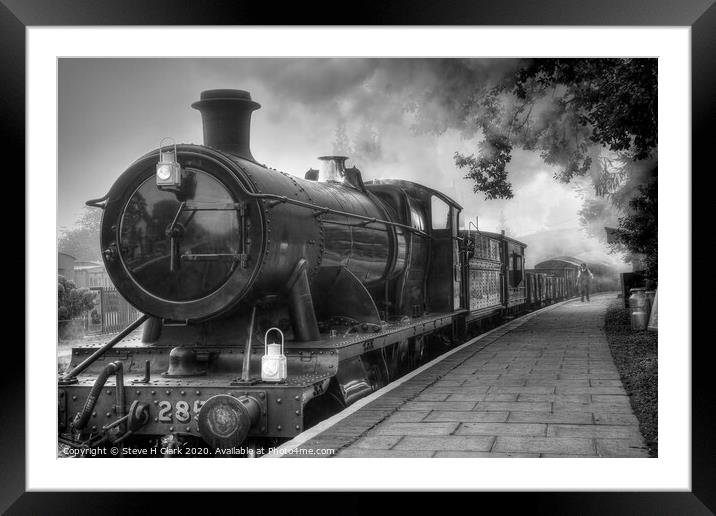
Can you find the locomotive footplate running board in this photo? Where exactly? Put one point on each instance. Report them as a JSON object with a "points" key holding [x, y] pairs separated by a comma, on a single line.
{"points": [[356, 344]]}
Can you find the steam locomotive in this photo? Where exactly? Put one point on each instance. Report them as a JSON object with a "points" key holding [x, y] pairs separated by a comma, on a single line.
{"points": [[273, 301]]}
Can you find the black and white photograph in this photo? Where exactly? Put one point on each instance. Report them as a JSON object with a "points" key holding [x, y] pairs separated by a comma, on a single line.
{"points": [[427, 247], [425, 243], [354, 257]]}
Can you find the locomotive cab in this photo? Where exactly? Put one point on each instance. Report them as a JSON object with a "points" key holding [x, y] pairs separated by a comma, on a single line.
{"points": [[432, 281]]}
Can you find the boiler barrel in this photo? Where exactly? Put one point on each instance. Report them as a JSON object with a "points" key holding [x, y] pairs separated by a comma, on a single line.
{"points": [[231, 234], [374, 252]]}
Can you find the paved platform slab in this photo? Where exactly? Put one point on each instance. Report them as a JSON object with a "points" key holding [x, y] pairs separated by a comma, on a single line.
{"points": [[543, 385]]}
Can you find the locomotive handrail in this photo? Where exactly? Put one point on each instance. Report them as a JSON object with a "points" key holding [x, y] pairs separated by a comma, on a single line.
{"points": [[352, 225], [322, 210], [281, 199]]}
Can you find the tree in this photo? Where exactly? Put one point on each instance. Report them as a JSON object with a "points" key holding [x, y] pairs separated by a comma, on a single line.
{"points": [[583, 116], [638, 230], [568, 110], [71, 302], [82, 241]]}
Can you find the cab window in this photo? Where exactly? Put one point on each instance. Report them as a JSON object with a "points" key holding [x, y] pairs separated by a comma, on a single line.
{"points": [[440, 213]]}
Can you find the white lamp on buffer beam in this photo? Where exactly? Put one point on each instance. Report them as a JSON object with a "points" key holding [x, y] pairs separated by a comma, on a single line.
{"points": [[273, 363]]}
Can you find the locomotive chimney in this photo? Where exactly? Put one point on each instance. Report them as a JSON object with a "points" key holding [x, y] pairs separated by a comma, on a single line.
{"points": [[226, 116]]}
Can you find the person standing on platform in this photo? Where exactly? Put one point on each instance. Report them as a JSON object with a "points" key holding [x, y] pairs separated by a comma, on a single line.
{"points": [[584, 280]]}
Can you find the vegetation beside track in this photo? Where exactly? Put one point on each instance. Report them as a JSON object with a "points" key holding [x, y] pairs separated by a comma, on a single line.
{"points": [[635, 355]]}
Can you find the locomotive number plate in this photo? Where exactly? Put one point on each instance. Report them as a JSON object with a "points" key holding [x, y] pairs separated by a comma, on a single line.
{"points": [[181, 411]]}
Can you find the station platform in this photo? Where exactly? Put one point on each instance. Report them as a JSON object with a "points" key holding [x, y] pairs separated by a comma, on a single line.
{"points": [[542, 385]]}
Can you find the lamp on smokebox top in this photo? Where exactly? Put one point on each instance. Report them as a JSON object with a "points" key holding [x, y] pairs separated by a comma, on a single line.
{"points": [[273, 363], [168, 168]]}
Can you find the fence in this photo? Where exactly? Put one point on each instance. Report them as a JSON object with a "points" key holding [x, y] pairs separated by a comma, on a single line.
{"points": [[111, 313]]}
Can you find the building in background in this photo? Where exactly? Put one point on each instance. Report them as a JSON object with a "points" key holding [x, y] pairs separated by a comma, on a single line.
{"points": [[90, 274], [66, 266], [111, 312]]}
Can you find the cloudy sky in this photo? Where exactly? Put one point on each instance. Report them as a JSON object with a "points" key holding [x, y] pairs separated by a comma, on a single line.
{"points": [[111, 111]]}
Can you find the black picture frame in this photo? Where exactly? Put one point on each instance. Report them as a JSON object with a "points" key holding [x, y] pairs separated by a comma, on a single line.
{"points": [[700, 15]]}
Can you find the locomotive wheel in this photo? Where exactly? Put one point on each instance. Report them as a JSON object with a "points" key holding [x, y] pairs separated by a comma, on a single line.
{"points": [[323, 407], [377, 376], [401, 363]]}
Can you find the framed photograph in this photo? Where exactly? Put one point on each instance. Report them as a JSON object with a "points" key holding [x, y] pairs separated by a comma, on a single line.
{"points": [[422, 249]]}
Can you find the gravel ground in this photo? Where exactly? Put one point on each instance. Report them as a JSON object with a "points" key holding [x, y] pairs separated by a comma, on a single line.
{"points": [[635, 355]]}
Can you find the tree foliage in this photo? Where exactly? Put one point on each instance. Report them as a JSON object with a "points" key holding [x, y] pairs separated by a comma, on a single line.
{"points": [[565, 109], [638, 230], [583, 116], [72, 301], [82, 241], [488, 168]]}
